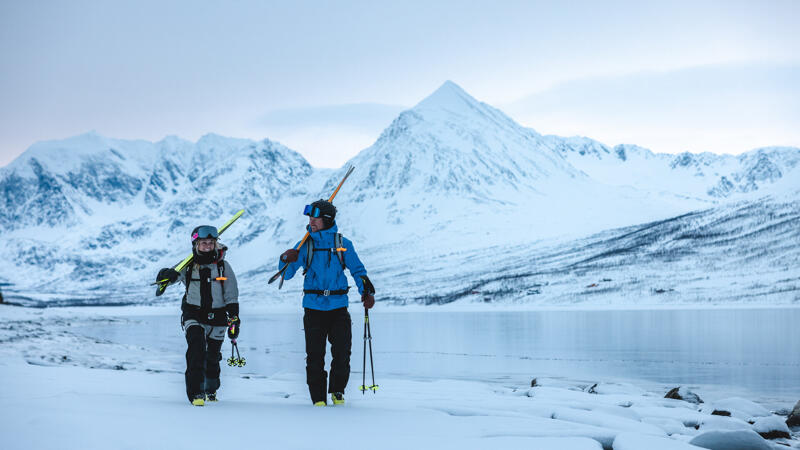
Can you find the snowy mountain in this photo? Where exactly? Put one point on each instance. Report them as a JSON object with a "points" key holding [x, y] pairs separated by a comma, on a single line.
{"points": [[68, 182], [90, 219], [72, 221], [704, 176], [452, 144], [465, 172]]}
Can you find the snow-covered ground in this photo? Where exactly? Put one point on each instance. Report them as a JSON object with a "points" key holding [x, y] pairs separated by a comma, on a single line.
{"points": [[69, 382]]}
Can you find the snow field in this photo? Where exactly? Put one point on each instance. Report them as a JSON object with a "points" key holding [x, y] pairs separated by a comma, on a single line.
{"points": [[108, 395]]}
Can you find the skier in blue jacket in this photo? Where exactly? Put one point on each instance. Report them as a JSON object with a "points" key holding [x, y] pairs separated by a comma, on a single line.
{"points": [[323, 257]]}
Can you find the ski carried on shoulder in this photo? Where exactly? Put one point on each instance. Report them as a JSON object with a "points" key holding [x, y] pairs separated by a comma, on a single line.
{"points": [[281, 273], [162, 284]]}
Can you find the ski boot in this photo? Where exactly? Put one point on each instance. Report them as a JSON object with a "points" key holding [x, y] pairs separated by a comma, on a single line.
{"points": [[320, 403], [211, 396], [199, 400], [338, 398]]}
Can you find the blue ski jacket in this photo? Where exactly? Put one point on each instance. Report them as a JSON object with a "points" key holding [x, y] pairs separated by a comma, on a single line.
{"points": [[326, 271]]}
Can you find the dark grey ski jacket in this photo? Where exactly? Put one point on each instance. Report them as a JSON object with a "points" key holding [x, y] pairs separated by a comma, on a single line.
{"points": [[212, 299]]}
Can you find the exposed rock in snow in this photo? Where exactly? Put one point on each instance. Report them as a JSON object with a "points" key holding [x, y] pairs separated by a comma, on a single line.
{"points": [[772, 427], [682, 393], [794, 417]]}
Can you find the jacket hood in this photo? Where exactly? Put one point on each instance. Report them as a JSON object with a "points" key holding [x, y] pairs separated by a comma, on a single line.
{"points": [[317, 235]]}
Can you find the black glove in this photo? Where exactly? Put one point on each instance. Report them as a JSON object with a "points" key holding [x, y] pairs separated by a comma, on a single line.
{"points": [[368, 287], [234, 324], [290, 256], [368, 300], [168, 274]]}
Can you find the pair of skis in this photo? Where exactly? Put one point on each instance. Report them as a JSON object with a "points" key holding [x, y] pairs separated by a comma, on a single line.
{"points": [[282, 272], [162, 284]]}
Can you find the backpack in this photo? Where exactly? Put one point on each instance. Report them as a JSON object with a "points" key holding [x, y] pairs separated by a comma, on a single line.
{"points": [[339, 249]]}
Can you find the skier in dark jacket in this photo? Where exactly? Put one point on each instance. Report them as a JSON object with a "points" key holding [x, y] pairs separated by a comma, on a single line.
{"points": [[324, 256], [210, 307]]}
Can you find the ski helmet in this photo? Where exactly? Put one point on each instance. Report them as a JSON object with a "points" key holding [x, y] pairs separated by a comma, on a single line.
{"points": [[323, 209], [204, 232]]}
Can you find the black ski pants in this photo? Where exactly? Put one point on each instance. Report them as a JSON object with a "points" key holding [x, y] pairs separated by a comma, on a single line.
{"points": [[335, 327], [202, 361]]}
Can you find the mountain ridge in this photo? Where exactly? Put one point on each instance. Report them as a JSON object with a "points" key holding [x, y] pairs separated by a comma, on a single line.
{"points": [[450, 173]]}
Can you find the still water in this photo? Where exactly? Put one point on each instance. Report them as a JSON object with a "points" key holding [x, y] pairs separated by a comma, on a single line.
{"points": [[753, 352]]}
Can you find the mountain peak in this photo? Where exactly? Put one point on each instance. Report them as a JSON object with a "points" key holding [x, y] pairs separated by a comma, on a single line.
{"points": [[213, 141], [450, 97]]}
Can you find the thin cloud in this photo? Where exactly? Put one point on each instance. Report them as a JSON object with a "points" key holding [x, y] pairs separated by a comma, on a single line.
{"points": [[366, 116], [728, 108], [328, 135]]}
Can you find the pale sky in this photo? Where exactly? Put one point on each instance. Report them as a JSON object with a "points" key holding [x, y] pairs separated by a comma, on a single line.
{"points": [[325, 78]]}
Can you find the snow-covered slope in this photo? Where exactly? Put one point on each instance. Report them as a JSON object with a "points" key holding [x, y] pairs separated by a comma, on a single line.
{"points": [[703, 176], [739, 253], [91, 219]]}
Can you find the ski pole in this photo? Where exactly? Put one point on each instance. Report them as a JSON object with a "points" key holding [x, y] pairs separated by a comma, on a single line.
{"points": [[238, 360], [282, 272], [374, 386], [367, 338], [364, 353]]}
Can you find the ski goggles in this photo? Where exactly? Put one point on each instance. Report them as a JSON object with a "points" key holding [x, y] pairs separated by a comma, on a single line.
{"points": [[205, 232], [312, 211]]}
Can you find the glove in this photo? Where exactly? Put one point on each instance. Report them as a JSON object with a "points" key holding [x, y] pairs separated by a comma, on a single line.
{"points": [[289, 256], [368, 287], [234, 324], [368, 300], [168, 274]]}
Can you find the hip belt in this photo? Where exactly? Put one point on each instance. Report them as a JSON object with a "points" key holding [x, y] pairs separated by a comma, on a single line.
{"points": [[326, 292]]}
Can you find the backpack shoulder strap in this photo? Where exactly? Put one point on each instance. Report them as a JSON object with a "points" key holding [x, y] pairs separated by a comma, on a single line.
{"points": [[221, 272], [309, 254], [338, 242], [188, 278]]}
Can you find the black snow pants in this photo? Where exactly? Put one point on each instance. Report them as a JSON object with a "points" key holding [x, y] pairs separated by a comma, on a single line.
{"points": [[202, 361], [335, 327]]}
